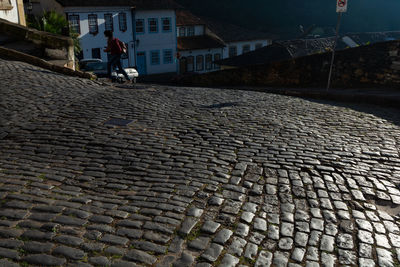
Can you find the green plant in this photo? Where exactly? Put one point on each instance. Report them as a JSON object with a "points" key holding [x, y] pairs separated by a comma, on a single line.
{"points": [[56, 23]]}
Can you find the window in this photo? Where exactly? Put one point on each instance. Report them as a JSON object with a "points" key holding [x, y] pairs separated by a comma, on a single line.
{"points": [[140, 26], [108, 21], [74, 23], [190, 31], [216, 58], [166, 24], [96, 53], [5, 5], [122, 21], [93, 26], [200, 62], [167, 57], [232, 51], [153, 25], [155, 57], [190, 63], [259, 45], [245, 49], [182, 31], [208, 62]]}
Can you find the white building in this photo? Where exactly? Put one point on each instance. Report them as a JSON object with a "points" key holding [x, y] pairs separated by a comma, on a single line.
{"points": [[148, 27], [201, 41], [197, 50], [156, 42], [238, 40], [12, 11]]}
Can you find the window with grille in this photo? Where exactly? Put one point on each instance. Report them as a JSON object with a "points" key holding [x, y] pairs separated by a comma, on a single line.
{"points": [[190, 31], [74, 23], [200, 62], [245, 49], [5, 5], [232, 51], [140, 26], [166, 24], [168, 57], [155, 57], [208, 62], [122, 21], [216, 58], [182, 31], [153, 25], [108, 22], [96, 53], [258, 45], [190, 63], [93, 26]]}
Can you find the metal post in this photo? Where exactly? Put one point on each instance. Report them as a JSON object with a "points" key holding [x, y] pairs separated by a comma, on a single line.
{"points": [[333, 52]]}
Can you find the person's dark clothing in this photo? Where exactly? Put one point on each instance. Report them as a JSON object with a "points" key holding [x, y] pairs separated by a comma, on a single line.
{"points": [[116, 60], [115, 49]]}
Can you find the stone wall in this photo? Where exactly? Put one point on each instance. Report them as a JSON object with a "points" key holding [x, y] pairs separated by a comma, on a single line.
{"points": [[53, 47], [366, 66]]}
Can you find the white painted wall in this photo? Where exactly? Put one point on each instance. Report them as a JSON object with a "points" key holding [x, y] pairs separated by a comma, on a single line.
{"points": [[160, 41], [239, 46], [146, 42], [90, 41], [198, 30], [202, 52], [10, 15]]}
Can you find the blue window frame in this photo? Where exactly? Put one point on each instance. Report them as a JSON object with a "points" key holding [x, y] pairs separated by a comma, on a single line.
{"points": [[74, 23], [155, 57], [167, 56], [108, 22], [139, 26], [166, 25], [153, 25], [122, 22]]}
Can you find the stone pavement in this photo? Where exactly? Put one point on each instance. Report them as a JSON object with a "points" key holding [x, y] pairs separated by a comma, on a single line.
{"points": [[191, 177]]}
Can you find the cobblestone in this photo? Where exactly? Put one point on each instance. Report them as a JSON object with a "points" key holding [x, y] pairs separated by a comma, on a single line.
{"points": [[265, 180]]}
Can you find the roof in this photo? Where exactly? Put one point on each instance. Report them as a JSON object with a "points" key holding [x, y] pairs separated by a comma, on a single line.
{"points": [[373, 37], [266, 54], [283, 50], [304, 47], [233, 33], [139, 4], [186, 18], [198, 42]]}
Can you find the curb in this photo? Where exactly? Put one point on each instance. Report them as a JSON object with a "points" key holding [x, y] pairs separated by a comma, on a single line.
{"points": [[16, 55], [333, 95], [380, 100]]}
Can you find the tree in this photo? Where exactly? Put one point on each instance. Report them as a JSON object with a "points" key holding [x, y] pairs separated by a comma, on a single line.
{"points": [[56, 23]]}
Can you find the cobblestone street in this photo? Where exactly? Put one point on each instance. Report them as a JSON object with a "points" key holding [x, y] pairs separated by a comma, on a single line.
{"points": [[94, 175]]}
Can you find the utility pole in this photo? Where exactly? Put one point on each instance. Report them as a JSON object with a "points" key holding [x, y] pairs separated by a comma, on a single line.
{"points": [[341, 7]]}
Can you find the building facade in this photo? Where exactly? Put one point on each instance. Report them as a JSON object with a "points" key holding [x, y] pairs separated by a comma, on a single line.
{"points": [[202, 41], [147, 27], [237, 48], [197, 50], [156, 41], [13, 11], [91, 22]]}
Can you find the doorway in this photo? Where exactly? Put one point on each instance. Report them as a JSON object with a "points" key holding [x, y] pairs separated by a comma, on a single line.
{"points": [[141, 63]]}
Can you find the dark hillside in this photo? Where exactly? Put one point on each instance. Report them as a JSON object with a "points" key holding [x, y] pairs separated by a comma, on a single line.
{"points": [[288, 15]]}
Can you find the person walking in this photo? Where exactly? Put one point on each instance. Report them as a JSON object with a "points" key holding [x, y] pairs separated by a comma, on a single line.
{"points": [[115, 48]]}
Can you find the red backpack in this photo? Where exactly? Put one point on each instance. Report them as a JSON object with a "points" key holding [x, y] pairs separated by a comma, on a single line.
{"points": [[121, 46]]}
